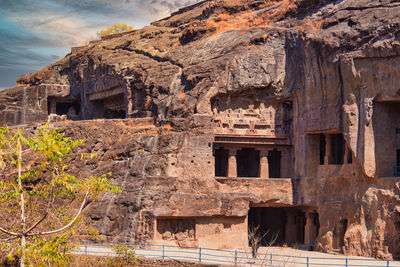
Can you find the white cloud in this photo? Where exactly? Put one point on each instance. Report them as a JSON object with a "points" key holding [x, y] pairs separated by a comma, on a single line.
{"points": [[56, 28], [163, 8], [36, 32]]}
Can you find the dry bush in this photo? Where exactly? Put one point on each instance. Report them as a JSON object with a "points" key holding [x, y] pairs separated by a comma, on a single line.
{"points": [[243, 20]]}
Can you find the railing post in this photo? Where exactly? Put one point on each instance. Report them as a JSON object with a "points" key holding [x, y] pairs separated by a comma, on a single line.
{"points": [[199, 254], [235, 257], [347, 263], [85, 246], [270, 259], [163, 251], [308, 262]]}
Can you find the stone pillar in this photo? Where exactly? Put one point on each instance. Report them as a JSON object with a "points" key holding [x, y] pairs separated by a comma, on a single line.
{"points": [[264, 165], [128, 98], [232, 166], [307, 229], [328, 149], [53, 107], [310, 230]]}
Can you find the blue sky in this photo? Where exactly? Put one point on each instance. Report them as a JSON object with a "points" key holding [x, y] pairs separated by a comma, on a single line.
{"points": [[35, 33]]}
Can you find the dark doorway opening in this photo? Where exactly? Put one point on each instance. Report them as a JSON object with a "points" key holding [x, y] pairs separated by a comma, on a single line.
{"points": [[300, 225], [397, 167], [339, 233], [221, 162], [114, 114], [248, 162], [398, 157], [274, 160], [343, 229], [114, 107], [269, 223], [337, 149], [70, 108], [284, 225], [63, 108], [322, 148]]}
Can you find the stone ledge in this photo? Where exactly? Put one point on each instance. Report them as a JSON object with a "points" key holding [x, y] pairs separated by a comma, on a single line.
{"points": [[252, 179]]}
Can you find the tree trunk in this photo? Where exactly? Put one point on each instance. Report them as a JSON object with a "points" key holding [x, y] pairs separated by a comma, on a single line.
{"points": [[23, 245], [21, 191]]}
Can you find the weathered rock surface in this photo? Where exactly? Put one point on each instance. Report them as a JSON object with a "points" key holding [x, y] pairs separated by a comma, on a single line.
{"points": [[293, 73]]}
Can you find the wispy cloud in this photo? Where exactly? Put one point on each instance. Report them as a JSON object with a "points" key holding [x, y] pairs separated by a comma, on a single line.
{"points": [[35, 33], [162, 8]]}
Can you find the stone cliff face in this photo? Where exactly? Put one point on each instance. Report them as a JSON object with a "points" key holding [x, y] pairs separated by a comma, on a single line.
{"points": [[306, 91]]}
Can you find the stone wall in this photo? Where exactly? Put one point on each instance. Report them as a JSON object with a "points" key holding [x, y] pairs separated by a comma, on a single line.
{"points": [[22, 105]]}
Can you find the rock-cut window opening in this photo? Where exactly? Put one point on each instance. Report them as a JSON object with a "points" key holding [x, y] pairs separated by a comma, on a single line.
{"points": [[398, 157], [332, 149], [247, 162], [397, 167], [221, 162], [274, 161]]}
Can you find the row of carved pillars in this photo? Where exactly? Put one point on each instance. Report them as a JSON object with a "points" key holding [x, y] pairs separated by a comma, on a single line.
{"points": [[264, 163]]}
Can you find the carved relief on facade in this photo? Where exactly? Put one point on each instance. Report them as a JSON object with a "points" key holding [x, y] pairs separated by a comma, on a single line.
{"points": [[253, 113], [182, 231]]}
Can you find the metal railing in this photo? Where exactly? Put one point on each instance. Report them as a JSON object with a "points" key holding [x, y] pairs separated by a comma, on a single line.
{"points": [[229, 257]]}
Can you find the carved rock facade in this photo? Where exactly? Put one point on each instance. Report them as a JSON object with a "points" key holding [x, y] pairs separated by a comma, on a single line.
{"points": [[283, 115]]}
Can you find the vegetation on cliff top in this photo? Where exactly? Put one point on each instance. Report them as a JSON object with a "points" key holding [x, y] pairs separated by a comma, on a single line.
{"points": [[114, 29]]}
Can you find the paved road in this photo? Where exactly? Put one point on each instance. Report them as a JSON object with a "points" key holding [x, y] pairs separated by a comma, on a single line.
{"points": [[282, 257]]}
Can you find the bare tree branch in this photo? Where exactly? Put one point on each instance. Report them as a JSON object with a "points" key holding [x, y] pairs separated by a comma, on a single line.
{"points": [[9, 232], [69, 224], [9, 239]]}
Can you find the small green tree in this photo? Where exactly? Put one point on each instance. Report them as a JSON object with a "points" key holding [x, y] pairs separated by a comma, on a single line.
{"points": [[116, 28], [124, 256], [39, 200]]}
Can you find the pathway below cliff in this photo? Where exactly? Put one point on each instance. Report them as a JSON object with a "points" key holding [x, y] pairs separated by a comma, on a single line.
{"points": [[280, 256]]}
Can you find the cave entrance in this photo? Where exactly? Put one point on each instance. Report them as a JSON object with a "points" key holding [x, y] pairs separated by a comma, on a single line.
{"points": [[279, 225], [339, 234], [248, 162], [114, 107], [108, 104], [71, 108], [221, 162], [274, 160]]}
